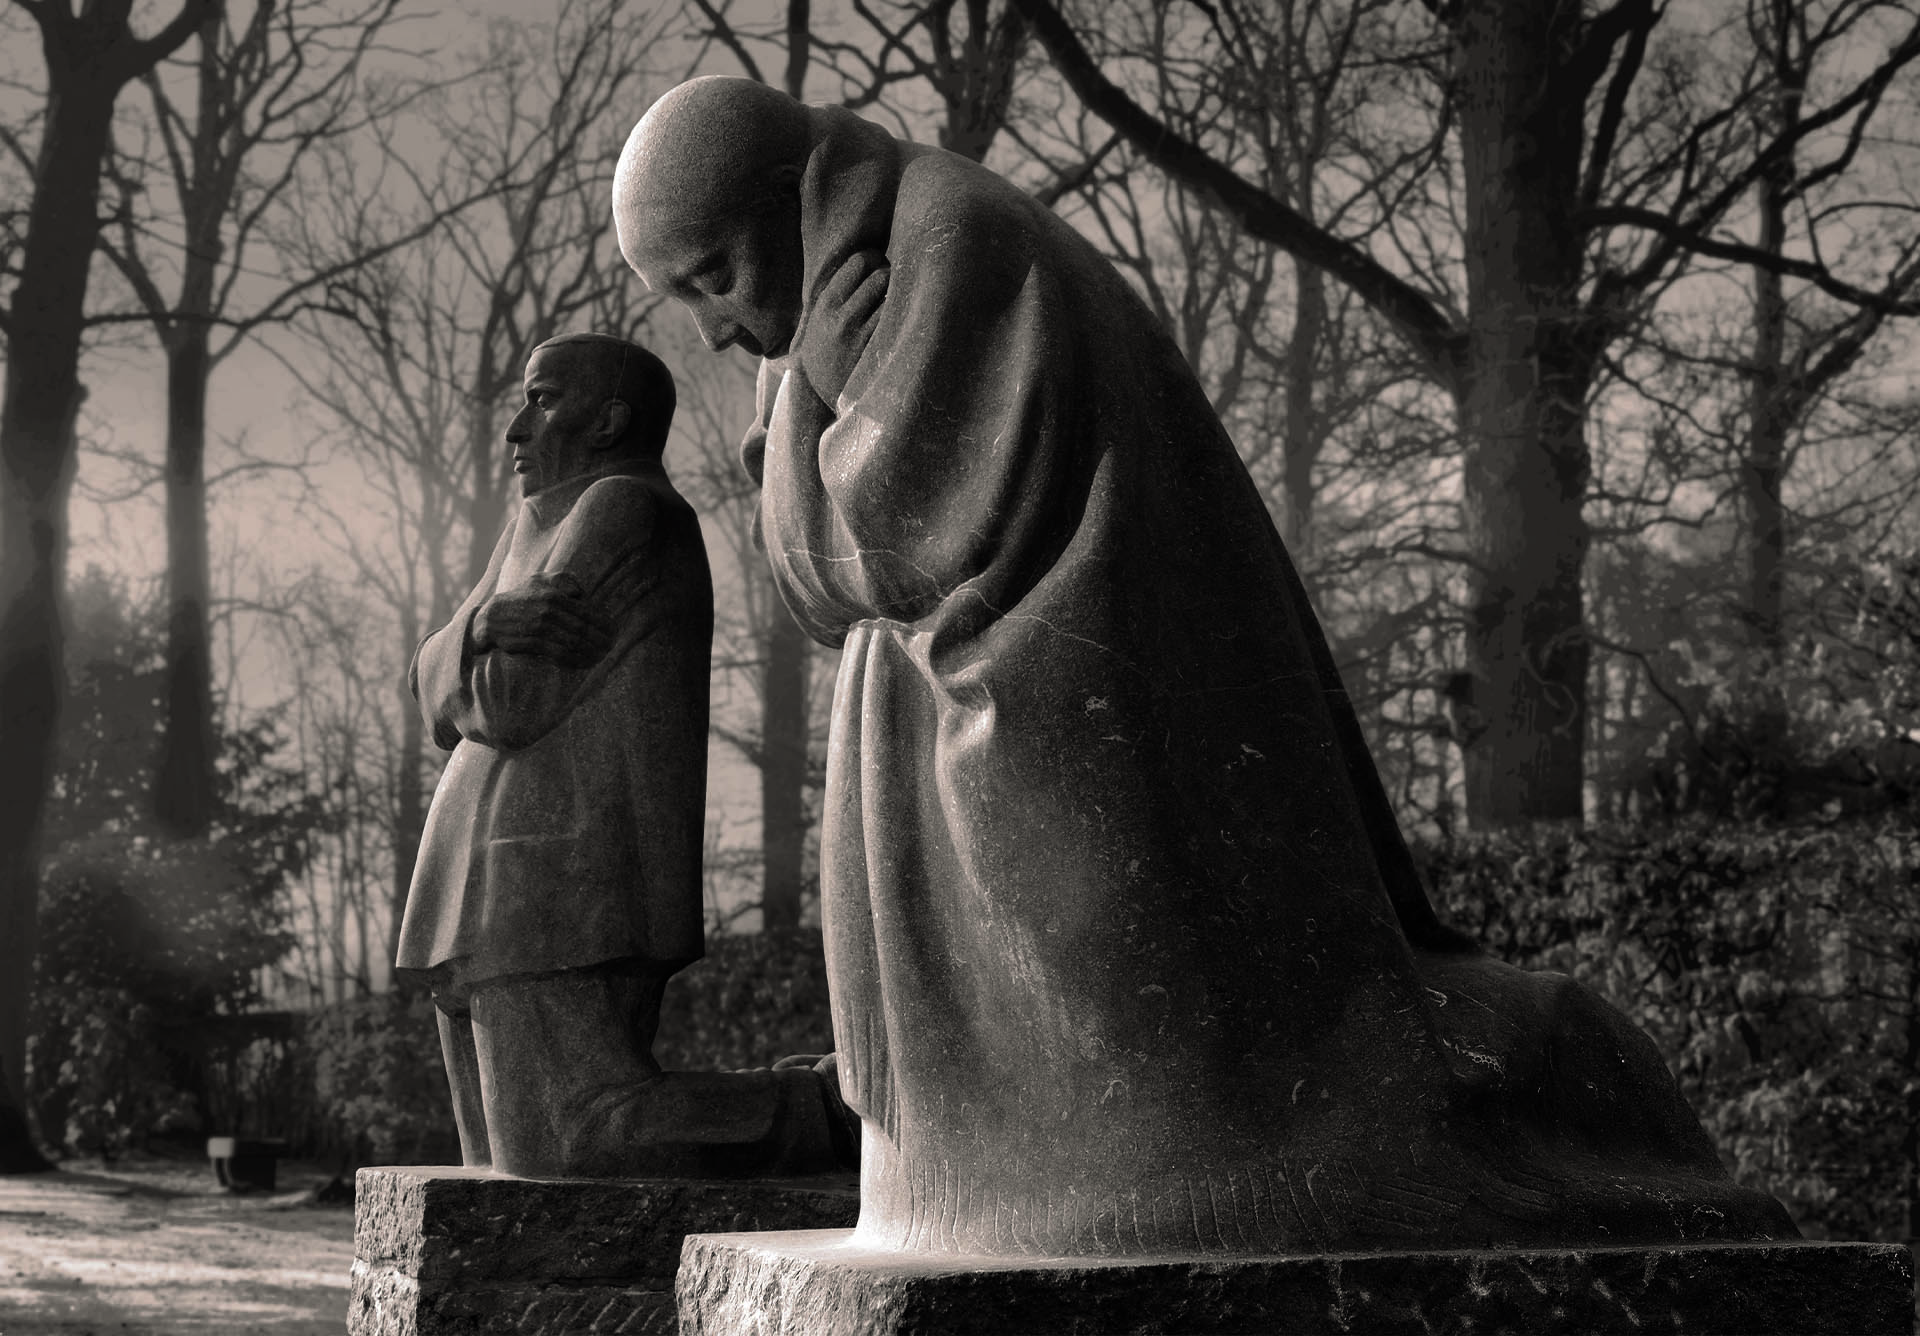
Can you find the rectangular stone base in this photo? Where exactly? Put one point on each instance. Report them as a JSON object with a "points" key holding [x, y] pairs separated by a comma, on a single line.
{"points": [[449, 1250], [816, 1283]]}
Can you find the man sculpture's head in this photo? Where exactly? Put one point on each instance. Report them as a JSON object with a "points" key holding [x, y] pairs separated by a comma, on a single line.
{"points": [[706, 202], [591, 399]]}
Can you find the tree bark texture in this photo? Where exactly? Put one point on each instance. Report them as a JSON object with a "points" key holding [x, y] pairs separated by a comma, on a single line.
{"points": [[1301, 435], [183, 776], [36, 471], [1526, 463], [410, 788], [88, 60], [1764, 469]]}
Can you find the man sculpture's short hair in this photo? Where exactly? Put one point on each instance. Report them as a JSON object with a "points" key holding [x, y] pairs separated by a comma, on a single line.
{"points": [[638, 379]]}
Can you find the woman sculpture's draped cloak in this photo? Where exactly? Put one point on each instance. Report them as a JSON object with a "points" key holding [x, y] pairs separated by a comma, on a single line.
{"points": [[1127, 953]]}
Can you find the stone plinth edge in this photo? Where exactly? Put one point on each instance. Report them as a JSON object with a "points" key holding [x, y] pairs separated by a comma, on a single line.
{"points": [[449, 1250], [817, 1283]]}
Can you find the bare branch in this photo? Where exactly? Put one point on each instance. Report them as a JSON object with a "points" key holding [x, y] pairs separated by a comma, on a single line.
{"points": [[726, 35], [1441, 346], [136, 58], [1637, 18], [1691, 239]]}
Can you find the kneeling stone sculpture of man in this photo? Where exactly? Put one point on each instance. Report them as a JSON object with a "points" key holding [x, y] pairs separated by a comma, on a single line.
{"points": [[1126, 951], [558, 886]]}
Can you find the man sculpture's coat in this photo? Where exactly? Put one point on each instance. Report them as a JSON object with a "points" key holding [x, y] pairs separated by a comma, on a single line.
{"points": [[567, 829], [1127, 953]]}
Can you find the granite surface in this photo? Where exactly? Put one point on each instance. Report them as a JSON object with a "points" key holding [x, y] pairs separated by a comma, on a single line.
{"points": [[1127, 952], [817, 1283], [452, 1250]]}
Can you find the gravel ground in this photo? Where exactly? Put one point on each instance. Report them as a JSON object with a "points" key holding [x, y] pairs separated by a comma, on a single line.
{"points": [[154, 1247]]}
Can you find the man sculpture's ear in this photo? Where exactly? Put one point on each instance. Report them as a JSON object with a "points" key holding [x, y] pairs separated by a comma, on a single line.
{"points": [[611, 428]]}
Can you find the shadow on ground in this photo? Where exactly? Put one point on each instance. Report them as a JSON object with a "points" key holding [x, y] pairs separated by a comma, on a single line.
{"points": [[154, 1247]]}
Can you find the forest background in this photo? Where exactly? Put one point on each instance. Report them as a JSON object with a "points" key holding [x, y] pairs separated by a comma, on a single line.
{"points": [[1572, 345]]}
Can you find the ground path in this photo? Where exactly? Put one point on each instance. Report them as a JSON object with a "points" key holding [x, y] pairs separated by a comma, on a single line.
{"points": [[152, 1247]]}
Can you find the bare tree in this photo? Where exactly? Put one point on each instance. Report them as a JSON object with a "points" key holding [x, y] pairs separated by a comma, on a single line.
{"points": [[90, 56], [1571, 225], [262, 95], [1795, 359], [1752, 450], [342, 707], [415, 357]]}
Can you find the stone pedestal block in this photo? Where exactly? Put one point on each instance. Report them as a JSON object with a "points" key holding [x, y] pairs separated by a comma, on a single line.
{"points": [[448, 1250], [817, 1283]]}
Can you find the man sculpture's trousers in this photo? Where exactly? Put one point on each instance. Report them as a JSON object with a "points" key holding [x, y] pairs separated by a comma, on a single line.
{"points": [[553, 1076]]}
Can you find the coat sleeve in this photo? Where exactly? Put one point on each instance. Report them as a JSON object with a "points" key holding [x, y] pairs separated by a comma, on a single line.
{"points": [[926, 472], [511, 701], [437, 676]]}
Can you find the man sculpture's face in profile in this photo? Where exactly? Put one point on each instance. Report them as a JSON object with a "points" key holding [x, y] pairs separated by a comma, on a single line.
{"points": [[738, 274], [554, 434]]}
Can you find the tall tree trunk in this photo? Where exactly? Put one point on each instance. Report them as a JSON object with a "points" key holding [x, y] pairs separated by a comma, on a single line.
{"points": [[88, 62], [36, 459], [183, 777], [410, 798], [1764, 468], [183, 774], [1523, 414], [1762, 474], [1770, 414], [42, 400], [783, 767], [785, 725], [1300, 436]]}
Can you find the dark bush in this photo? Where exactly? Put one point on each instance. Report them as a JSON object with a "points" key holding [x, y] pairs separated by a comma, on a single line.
{"points": [[143, 1019], [1777, 967], [379, 1085], [143, 942], [756, 998]]}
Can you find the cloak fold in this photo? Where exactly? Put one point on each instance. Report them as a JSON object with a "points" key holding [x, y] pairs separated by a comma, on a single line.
{"points": [[1127, 952]]}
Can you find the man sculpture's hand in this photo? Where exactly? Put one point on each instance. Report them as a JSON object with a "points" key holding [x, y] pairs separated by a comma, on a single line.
{"points": [[548, 616]]}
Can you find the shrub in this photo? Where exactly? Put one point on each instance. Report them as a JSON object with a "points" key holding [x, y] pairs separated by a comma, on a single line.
{"points": [[754, 999], [149, 947], [379, 1085], [141, 939], [1776, 966]]}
